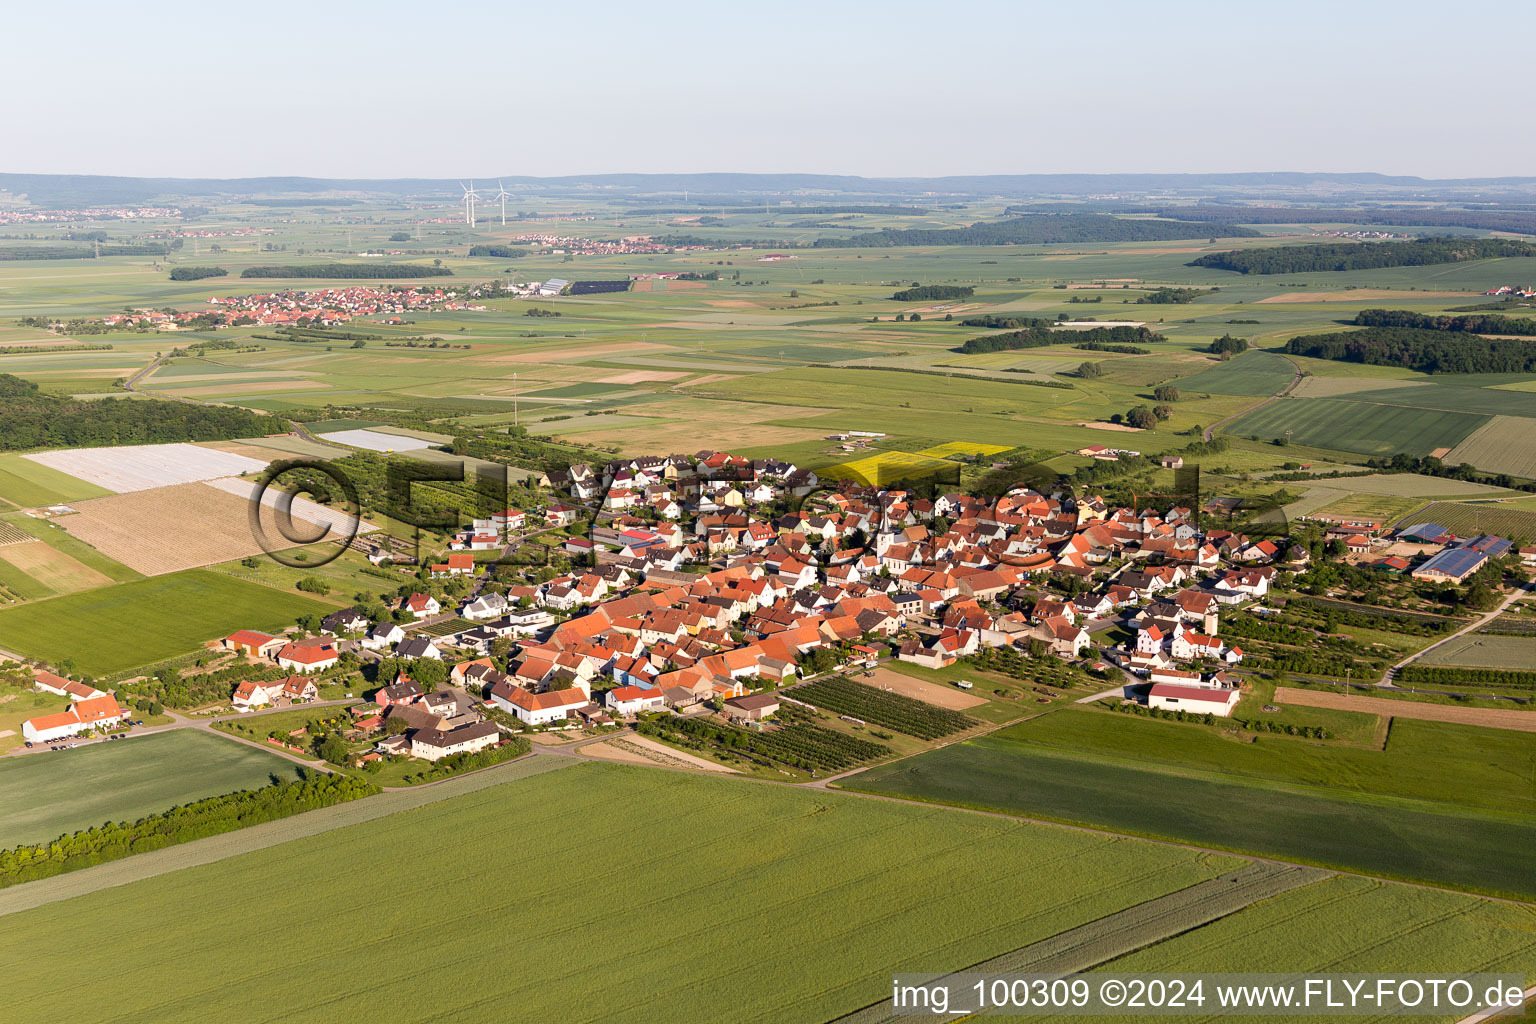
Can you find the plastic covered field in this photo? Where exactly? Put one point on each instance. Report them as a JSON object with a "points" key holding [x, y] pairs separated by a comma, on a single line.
{"points": [[141, 467]]}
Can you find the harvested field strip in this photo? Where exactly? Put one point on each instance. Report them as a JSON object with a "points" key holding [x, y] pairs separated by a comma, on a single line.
{"points": [[166, 529], [924, 690], [53, 568], [259, 837], [640, 750], [1133, 928], [49, 532], [1493, 718]]}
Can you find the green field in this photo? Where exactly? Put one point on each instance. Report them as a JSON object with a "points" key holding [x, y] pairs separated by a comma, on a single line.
{"points": [[1477, 650], [1462, 765], [1506, 444], [1359, 427], [1356, 829], [1391, 921], [113, 629], [49, 794], [1471, 519], [1252, 373], [727, 865], [25, 483]]}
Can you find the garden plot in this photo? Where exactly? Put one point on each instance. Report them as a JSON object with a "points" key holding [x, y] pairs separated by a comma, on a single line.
{"points": [[375, 441], [142, 467], [167, 529]]}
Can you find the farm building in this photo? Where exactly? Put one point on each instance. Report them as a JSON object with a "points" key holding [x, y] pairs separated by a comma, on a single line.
{"points": [[1196, 699], [753, 707], [82, 716], [257, 645], [1453, 564], [1425, 533]]}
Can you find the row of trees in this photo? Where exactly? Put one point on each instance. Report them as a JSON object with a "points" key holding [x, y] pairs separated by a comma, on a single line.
{"points": [[34, 419], [1033, 229], [501, 252], [1038, 337], [348, 271], [197, 273], [1482, 323], [1174, 296], [1421, 252], [198, 820], [1427, 351], [1521, 221], [934, 292]]}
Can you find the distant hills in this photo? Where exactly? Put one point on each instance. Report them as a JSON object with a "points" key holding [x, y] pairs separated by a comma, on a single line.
{"points": [[62, 190]]}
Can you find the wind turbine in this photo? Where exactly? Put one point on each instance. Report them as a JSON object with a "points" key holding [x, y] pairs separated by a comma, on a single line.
{"points": [[503, 195], [470, 198]]}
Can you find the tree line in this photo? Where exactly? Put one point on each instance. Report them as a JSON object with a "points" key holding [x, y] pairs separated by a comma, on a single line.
{"points": [[501, 252], [932, 292], [1520, 221], [198, 820], [1426, 351], [1039, 337], [1033, 229], [1484, 323], [34, 419], [1173, 296], [1420, 252], [197, 273], [349, 271]]}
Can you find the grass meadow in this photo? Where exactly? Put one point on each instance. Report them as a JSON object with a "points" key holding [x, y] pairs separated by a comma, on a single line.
{"points": [[114, 629], [49, 794]]}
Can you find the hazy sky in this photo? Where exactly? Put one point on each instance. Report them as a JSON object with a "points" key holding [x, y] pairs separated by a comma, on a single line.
{"points": [[390, 89]]}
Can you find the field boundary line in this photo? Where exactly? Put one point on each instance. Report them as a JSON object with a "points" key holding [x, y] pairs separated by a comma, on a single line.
{"points": [[1126, 931], [30, 895], [1210, 431]]}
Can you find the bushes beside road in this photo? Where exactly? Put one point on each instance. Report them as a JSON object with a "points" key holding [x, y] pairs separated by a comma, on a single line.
{"points": [[199, 820]]}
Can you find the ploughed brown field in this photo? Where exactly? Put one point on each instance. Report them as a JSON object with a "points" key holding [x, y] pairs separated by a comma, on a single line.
{"points": [[921, 689], [167, 529], [1492, 718]]}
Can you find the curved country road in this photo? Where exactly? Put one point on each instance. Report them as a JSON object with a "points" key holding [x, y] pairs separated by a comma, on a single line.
{"points": [[1210, 431]]}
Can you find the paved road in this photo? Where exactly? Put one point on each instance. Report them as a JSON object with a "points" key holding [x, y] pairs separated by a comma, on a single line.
{"points": [[1386, 680], [1210, 431]]}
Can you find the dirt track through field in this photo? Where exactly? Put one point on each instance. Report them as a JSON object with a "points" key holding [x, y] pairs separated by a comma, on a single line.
{"points": [[1492, 718], [1097, 942], [259, 837]]}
